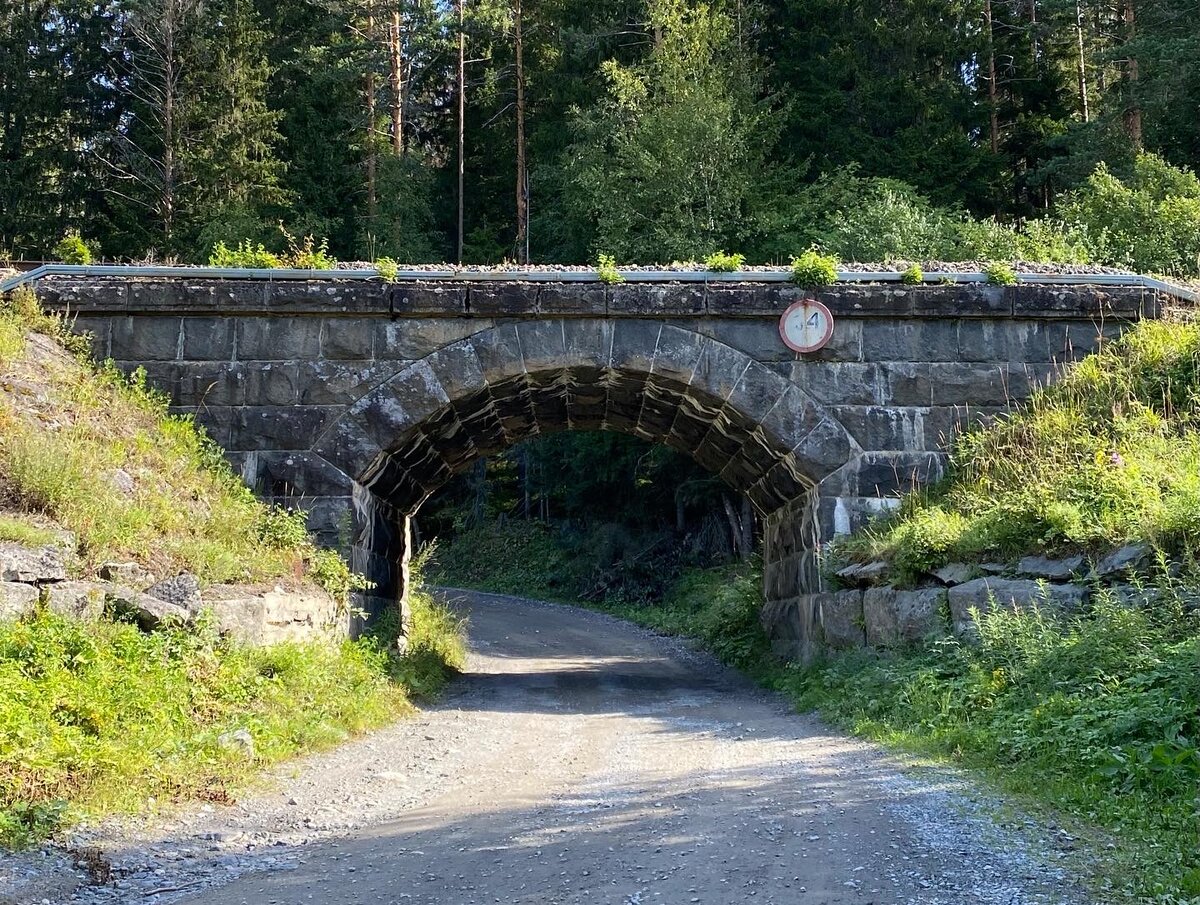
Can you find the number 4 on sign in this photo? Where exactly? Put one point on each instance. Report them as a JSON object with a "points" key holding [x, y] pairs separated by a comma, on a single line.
{"points": [[806, 326]]}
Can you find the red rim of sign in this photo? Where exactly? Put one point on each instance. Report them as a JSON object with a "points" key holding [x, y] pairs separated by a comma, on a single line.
{"points": [[825, 337]]}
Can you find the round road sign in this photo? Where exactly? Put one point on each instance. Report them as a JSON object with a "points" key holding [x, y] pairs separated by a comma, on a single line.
{"points": [[806, 326]]}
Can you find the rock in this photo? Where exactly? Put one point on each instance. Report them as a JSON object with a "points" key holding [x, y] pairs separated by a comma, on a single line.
{"points": [[841, 617], [955, 573], [122, 481], [77, 599], [892, 617], [1050, 569], [238, 740], [988, 594], [17, 600], [183, 590], [864, 573], [126, 573], [18, 563], [993, 568], [148, 611], [262, 618], [1130, 559]]}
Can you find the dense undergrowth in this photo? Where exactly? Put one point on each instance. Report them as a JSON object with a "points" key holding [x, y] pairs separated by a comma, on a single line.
{"points": [[1108, 454], [102, 717], [85, 449]]}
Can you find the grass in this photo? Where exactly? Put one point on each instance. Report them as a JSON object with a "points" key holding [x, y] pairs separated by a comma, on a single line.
{"points": [[1107, 455], [96, 453], [101, 718]]}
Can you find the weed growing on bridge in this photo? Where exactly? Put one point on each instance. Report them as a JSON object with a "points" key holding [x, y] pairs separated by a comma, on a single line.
{"points": [[71, 249], [245, 254], [1000, 274], [606, 271], [720, 262], [387, 268], [814, 269], [912, 275]]}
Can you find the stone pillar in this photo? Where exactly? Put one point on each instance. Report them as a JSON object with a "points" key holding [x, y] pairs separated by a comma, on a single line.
{"points": [[381, 551], [791, 578]]}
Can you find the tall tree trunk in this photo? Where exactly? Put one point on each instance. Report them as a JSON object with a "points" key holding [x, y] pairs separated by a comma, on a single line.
{"points": [[522, 174], [1133, 107], [170, 75], [372, 153], [1081, 63], [396, 48], [994, 113], [462, 125], [747, 527]]}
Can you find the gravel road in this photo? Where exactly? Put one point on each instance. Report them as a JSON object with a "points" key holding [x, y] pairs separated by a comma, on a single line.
{"points": [[582, 760]]}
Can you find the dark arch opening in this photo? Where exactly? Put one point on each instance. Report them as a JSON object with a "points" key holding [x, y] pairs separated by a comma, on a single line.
{"points": [[759, 432]]}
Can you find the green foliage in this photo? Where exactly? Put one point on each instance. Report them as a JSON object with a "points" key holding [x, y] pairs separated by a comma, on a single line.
{"points": [[71, 249], [814, 269], [387, 269], [245, 254], [1150, 223], [720, 262], [101, 717], [329, 570], [1000, 274], [307, 253], [913, 275], [1110, 453], [606, 271], [1096, 714]]}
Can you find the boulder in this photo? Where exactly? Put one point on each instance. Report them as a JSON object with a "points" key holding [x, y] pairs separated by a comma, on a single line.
{"points": [[955, 573], [841, 615], [127, 573], [864, 573], [31, 566], [77, 599], [893, 617], [1130, 559], [239, 740], [1050, 569], [183, 590], [148, 611], [988, 594], [271, 617], [17, 600]]}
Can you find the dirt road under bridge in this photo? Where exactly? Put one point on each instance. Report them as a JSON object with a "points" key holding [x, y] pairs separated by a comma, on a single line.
{"points": [[582, 760]]}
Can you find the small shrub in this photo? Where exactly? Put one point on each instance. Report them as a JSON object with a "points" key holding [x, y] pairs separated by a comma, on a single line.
{"points": [[720, 262], [913, 275], [387, 269], [1000, 274], [246, 254], [71, 249], [331, 572], [606, 271], [307, 254], [814, 269]]}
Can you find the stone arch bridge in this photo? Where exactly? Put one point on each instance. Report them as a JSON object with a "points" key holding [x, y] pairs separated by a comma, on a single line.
{"points": [[357, 400]]}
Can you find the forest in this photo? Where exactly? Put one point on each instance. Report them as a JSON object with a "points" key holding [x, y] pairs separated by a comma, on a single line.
{"points": [[555, 130]]}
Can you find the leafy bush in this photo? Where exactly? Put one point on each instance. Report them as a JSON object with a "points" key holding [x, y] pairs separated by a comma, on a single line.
{"points": [[606, 271], [1150, 223], [887, 219], [71, 249], [814, 269], [720, 262], [387, 269], [913, 275], [245, 255], [307, 253], [1000, 274]]}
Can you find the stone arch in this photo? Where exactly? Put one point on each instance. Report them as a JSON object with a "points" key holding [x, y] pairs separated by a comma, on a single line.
{"points": [[760, 432]]}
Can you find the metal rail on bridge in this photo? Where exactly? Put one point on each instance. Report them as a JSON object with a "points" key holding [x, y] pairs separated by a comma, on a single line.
{"points": [[569, 276]]}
